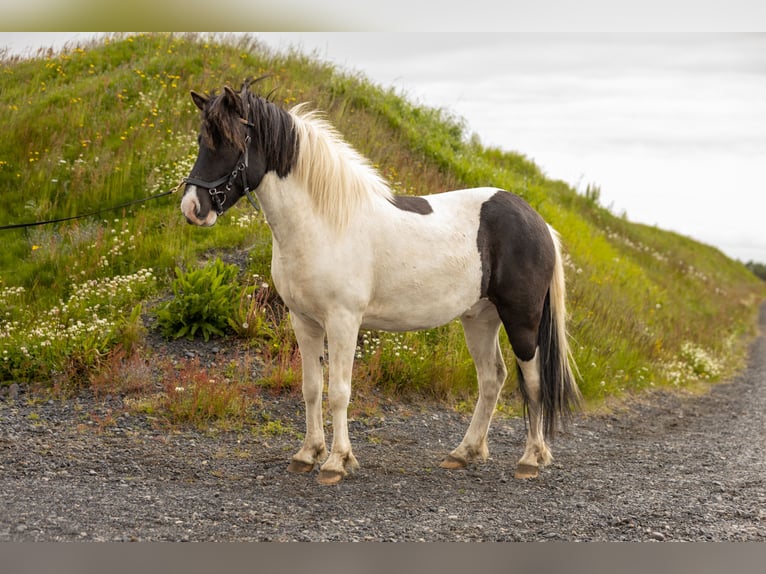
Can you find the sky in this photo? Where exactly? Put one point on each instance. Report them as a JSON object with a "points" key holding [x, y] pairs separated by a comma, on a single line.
{"points": [[670, 126]]}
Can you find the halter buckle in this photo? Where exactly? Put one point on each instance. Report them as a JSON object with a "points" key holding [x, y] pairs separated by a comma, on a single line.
{"points": [[218, 201]]}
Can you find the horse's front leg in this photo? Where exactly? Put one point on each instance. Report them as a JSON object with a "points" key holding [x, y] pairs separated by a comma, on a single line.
{"points": [[310, 337], [342, 334]]}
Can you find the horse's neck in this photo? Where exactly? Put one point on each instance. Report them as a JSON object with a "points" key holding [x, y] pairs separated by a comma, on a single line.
{"points": [[289, 211]]}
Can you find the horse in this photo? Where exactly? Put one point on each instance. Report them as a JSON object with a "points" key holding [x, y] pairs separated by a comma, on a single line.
{"points": [[349, 254]]}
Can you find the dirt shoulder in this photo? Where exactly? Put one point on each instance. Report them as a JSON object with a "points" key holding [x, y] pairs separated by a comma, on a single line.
{"points": [[668, 467]]}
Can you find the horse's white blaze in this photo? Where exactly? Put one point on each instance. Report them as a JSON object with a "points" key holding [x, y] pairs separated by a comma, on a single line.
{"points": [[190, 207]]}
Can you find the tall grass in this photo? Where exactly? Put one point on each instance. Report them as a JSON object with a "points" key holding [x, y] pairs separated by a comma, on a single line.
{"points": [[109, 122]]}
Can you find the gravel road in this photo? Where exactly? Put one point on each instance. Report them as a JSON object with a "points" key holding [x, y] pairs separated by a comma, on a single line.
{"points": [[667, 467]]}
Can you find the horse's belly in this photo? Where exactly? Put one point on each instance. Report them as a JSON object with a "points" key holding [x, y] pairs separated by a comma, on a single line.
{"points": [[424, 298], [411, 319]]}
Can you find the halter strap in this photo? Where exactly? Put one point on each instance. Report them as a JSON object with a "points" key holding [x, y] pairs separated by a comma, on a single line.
{"points": [[207, 184]]}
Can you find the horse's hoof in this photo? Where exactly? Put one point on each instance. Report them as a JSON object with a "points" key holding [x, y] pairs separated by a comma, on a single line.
{"points": [[328, 477], [452, 463], [300, 467], [526, 471]]}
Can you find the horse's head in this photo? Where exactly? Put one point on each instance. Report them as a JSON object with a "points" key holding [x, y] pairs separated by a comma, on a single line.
{"points": [[228, 164]]}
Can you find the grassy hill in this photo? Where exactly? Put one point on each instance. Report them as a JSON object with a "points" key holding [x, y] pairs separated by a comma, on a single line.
{"points": [[112, 121]]}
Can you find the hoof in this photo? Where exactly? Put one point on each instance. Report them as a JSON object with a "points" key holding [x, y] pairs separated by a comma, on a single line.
{"points": [[300, 467], [328, 477], [452, 463], [524, 471]]}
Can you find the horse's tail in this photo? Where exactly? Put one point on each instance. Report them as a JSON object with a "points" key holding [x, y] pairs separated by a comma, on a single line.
{"points": [[560, 394]]}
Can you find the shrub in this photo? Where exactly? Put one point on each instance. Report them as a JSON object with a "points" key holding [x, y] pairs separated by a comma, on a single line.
{"points": [[73, 336], [253, 315], [204, 301]]}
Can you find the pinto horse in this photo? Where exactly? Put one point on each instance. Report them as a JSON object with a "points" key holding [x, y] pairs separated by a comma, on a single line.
{"points": [[348, 254]]}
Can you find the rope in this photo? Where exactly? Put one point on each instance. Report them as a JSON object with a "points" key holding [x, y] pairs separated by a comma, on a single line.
{"points": [[92, 213]]}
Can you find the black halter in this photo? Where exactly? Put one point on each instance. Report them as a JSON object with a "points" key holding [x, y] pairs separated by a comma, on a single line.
{"points": [[218, 196]]}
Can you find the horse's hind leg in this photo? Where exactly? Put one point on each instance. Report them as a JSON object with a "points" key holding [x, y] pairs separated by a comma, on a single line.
{"points": [[536, 453], [481, 335]]}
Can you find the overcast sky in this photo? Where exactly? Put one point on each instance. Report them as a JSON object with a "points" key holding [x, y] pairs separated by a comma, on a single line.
{"points": [[672, 127]]}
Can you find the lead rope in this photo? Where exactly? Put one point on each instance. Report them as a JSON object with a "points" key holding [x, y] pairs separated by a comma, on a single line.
{"points": [[92, 213]]}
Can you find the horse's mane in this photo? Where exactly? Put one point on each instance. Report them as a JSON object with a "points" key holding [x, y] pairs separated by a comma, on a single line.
{"points": [[339, 179]]}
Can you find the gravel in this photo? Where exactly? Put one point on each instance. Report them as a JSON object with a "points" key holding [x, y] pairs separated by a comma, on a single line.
{"points": [[663, 467]]}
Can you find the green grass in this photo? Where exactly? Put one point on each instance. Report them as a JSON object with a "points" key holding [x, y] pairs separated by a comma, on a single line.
{"points": [[112, 121]]}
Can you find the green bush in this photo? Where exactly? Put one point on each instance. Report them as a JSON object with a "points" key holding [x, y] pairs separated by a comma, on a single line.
{"points": [[67, 339], [204, 301]]}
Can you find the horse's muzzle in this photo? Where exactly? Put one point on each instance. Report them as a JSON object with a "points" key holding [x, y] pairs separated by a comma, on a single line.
{"points": [[193, 209]]}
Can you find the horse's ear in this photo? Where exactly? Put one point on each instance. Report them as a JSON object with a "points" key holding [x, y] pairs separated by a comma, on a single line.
{"points": [[232, 99], [198, 99]]}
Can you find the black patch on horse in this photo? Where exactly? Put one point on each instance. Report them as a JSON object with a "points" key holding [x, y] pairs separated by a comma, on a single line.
{"points": [[517, 259], [412, 203]]}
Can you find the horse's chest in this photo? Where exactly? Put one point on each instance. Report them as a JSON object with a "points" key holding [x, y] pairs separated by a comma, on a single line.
{"points": [[315, 278]]}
